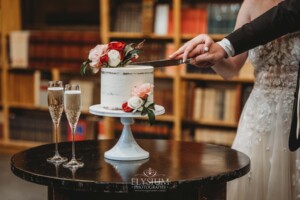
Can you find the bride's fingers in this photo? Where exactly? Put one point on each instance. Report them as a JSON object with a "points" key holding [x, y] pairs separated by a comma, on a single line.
{"points": [[178, 52], [190, 48]]}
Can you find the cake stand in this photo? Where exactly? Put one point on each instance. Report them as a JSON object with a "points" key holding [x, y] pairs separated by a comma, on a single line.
{"points": [[126, 148]]}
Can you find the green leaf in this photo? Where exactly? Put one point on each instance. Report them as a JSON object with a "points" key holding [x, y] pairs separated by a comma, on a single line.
{"points": [[144, 111], [151, 116], [151, 106], [84, 67]]}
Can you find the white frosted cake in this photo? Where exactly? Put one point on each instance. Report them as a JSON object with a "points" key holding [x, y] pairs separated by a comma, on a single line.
{"points": [[117, 84]]}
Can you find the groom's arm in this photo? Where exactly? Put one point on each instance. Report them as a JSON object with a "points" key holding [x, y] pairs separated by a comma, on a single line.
{"points": [[278, 21]]}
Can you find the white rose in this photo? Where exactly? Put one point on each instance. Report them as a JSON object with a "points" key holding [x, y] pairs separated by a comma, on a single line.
{"points": [[135, 102], [114, 58]]}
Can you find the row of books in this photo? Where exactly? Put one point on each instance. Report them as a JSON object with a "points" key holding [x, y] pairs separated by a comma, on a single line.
{"points": [[213, 18], [148, 17], [214, 102], [34, 92], [68, 49], [163, 95], [193, 21], [44, 49], [127, 17], [34, 125], [142, 130]]}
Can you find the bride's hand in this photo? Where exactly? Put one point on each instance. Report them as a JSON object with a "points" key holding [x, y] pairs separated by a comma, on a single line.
{"points": [[193, 48]]}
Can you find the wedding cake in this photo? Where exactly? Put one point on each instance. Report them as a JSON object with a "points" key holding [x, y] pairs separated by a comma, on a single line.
{"points": [[118, 85], [124, 87]]}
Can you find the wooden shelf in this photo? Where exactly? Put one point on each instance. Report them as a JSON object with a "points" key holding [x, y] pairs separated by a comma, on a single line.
{"points": [[11, 21], [215, 37], [129, 35], [215, 123], [14, 146], [161, 75], [214, 77]]}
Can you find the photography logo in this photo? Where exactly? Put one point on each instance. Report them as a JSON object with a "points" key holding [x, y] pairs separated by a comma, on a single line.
{"points": [[150, 180]]}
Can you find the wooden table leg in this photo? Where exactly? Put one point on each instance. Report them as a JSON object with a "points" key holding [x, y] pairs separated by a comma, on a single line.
{"points": [[213, 191], [205, 192]]}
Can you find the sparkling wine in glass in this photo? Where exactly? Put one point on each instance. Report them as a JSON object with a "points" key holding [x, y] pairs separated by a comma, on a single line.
{"points": [[72, 109], [56, 106]]}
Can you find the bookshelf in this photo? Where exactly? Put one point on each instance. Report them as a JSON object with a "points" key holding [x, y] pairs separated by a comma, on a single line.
{"points": [[105, 27]]}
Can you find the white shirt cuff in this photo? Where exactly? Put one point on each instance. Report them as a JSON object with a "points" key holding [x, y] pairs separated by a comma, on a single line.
{"points": [[227, 46]]}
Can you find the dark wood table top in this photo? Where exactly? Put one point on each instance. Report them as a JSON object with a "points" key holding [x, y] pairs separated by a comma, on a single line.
{"points": [[182, 164]]}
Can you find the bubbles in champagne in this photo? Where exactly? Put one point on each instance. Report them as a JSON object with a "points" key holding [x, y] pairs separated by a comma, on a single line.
{"points": [[73, 106], [55, 103]]}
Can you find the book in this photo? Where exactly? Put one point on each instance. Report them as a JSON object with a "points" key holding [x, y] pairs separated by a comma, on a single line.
{"points": [[221, 17], [161, 19], [147, 16], [193, 20], [209, 104], [230, 105], [80, 132], [18, 51], [198, 104]]}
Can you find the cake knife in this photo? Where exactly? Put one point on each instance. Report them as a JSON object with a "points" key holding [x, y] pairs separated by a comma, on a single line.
{"points": [[163, 62]]}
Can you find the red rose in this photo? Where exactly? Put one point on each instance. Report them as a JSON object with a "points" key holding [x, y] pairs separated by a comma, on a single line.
{"points": [[126, 108], [104, 58], [119, 46]]}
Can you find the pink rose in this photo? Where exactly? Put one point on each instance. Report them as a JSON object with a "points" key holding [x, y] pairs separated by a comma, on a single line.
{"points": [[142, 91], [95, 54]]}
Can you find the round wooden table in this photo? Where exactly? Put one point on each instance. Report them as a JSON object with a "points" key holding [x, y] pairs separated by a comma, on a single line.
{"points": [[174, 170]]}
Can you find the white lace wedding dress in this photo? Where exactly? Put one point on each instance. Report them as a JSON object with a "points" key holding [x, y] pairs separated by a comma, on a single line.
{"points": [[264, 125]]}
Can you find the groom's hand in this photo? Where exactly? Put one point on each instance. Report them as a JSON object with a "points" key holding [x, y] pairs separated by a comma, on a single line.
{"points": [[214, 55]]}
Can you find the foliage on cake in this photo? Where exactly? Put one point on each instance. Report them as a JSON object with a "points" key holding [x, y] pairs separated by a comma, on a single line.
{"points": [[113, 54], [139, 101]]}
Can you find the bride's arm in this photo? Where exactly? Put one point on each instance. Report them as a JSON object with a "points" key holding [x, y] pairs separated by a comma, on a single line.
{"points": [[230, 67]]}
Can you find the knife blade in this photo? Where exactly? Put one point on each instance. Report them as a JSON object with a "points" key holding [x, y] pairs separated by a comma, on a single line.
{"points": [[163, 62]]}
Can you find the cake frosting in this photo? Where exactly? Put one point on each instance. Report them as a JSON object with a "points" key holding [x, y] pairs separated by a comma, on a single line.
{"points": [[117, 84]]}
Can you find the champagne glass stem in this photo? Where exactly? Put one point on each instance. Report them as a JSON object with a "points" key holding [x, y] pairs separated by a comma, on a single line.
{"points": [[73, 143], [56, 139]]}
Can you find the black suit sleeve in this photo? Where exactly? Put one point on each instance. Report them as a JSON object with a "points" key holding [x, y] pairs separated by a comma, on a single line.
{"points": [[279, 20]]}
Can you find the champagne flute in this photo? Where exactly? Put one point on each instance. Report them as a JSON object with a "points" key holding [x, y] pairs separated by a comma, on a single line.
{"points": [[72, 108], [56, 106]]}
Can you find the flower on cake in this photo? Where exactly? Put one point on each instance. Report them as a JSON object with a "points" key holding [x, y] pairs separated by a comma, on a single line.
{"points": [[113, 54], [139, 101]]}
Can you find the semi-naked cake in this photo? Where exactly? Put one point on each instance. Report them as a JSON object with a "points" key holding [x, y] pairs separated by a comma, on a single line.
{"points": [[117, 84]]}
